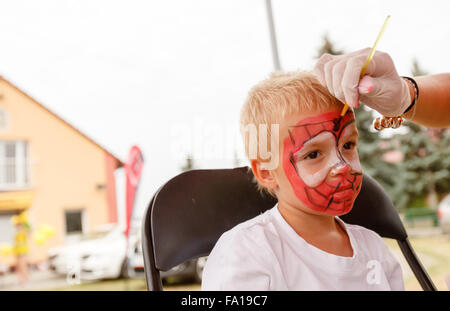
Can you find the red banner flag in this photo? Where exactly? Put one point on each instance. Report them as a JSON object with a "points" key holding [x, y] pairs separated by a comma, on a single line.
{"points": [[133, 170]]}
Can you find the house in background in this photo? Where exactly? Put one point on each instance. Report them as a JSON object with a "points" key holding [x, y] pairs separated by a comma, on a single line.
{"points": [[60, 176]]}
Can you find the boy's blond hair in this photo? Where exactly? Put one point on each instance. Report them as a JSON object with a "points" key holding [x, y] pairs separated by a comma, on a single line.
{"points": [[280, 95]]}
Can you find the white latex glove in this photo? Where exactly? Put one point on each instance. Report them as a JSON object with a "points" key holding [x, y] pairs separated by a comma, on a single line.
{"points": [[381, 88]]}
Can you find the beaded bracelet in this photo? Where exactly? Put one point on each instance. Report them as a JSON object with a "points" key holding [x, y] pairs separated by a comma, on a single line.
{"points": [[396, 122]]}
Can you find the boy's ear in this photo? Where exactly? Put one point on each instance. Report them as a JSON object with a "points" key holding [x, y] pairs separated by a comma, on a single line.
{"points": [[265, 177]]}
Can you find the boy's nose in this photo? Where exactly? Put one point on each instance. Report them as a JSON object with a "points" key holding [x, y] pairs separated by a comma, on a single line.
{"points": [[340, 168]]}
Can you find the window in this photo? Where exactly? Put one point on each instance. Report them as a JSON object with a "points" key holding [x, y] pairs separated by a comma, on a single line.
{"points": [[14, 171], [74, 221], [3, 120]]}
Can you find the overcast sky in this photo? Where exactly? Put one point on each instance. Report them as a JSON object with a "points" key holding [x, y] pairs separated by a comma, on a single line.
{"points": [[171, 76]]}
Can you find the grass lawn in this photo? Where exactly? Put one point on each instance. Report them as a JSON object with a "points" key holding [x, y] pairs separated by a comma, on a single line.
{"points": [[433, 252]]}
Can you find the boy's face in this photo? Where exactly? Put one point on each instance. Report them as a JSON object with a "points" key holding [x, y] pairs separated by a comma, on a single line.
{"points": [[319, 163]]}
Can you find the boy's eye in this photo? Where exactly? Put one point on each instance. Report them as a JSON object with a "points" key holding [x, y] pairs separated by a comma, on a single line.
{"points": [[349, 145], [312, 155]]}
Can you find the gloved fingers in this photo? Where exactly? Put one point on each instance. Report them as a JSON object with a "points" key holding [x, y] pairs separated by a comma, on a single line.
{"points": [[350, 80], [328, 72], [319, 67], [366, 85], [371, 90], [337, 73], [380, 65], [376, 93], [340, 74]]}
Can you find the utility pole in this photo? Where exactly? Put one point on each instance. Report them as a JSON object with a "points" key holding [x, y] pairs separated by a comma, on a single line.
{"points": [[273, 36]]}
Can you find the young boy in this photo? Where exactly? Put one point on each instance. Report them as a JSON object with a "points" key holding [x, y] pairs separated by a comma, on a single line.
{"points": [[301, 244]]}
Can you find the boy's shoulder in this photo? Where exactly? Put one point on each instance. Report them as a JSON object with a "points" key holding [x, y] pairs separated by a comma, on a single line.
{"points": [[362, 232], [255, 230], [367, 238], [257, 223]]}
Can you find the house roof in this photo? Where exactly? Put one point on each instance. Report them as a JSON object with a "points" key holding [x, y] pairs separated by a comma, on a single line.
{"points": [[120, 163]]}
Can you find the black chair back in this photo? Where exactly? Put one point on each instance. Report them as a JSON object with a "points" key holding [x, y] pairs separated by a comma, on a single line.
{"points": [[190, 212]]}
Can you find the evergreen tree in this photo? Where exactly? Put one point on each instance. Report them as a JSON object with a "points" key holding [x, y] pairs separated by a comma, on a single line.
{"points": [[425, 170]]}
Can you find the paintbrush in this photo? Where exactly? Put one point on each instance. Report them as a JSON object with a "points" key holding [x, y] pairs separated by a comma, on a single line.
{"points": [[366, 64]]}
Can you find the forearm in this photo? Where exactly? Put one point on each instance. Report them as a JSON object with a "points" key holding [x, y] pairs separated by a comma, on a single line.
{"points": [[433, 106]]}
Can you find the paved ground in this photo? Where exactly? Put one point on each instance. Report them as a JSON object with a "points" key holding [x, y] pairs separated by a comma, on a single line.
{"points": [[38, 280]]}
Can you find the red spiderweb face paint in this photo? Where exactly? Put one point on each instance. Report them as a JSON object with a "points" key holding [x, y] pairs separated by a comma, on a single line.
{"points": [[322, 164]]}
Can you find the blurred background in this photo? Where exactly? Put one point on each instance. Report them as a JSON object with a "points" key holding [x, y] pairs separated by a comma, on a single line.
{"points": [[101, 102]]}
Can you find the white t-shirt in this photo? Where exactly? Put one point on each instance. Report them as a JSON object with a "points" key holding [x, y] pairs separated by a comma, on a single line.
{"points": [[265, 253]]}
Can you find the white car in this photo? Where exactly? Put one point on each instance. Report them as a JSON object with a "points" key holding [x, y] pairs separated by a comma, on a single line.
{"points": [[99, 255], [134, 253], [192, 268], [444, 214]]}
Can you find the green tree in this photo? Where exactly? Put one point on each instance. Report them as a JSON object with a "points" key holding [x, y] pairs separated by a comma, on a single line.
{"points": [[425, 169], [372, 149]]}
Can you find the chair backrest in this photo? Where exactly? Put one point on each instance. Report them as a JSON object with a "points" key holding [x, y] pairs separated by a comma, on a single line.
{"points": [[188, 214], [191, 211]]}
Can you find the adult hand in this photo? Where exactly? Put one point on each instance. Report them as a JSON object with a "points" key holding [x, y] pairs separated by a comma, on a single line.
{"points": [[381, 88]]}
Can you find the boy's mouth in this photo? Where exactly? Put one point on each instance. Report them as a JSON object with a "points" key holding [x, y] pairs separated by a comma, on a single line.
{"points": [[348, 182], [343, 194], [343, 186], [337, 198]]}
